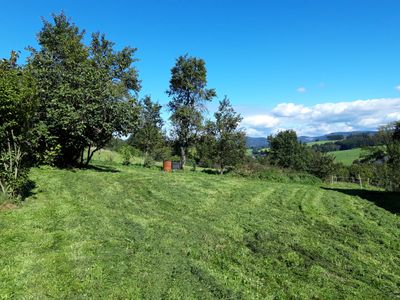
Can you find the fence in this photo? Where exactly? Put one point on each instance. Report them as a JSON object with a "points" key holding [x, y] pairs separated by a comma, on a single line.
{"points": [[363, 182]]}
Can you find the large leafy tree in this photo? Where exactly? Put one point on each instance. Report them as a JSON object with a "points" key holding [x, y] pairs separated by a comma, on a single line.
{"points": [[85, 92], [148, 135], [287, 152], [189, 93]]}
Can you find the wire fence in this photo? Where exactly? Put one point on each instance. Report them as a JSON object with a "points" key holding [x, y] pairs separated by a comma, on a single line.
{"points": [[364, 181]]}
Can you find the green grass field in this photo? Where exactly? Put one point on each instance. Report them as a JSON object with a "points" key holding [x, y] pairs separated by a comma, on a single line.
{"points": [[125, 232], [347, 156], [321, 142]]}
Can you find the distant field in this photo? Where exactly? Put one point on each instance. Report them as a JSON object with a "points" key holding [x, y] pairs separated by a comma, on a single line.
{"points": [[321, 142], [347, 156], [127, 232]]}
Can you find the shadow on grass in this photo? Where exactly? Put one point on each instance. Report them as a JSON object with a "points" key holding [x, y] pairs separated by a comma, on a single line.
{"points": [[210, 171], [102, 168], [27, 191], [387, 200]]}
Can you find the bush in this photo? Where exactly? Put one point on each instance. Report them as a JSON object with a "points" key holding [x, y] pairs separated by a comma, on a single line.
{"points": [[253, 169], [127, 152], [13, 174], [148, 162]]}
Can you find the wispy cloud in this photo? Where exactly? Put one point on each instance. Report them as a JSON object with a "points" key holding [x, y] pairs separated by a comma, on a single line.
{"points": [[301, 90], [325, 117], [397, 87]]}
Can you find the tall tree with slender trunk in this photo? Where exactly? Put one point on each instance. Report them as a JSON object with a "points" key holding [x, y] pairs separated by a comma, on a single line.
{"points": [[189, 93]]}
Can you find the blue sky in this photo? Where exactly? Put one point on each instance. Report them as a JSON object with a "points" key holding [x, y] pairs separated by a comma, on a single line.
{"points": [[315, 66]]}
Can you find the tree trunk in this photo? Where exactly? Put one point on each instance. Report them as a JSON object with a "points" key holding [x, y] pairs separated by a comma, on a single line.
{"points": [[90, 155], [183, 156]]}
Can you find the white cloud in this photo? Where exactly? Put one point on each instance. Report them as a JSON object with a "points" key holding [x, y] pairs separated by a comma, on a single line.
{"points": [[397, 87], [290, 110], [301, 90], [263, 121], [326, 117]]}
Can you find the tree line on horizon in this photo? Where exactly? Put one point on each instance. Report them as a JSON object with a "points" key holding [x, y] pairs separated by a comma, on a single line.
{"points": [[71, 99]]}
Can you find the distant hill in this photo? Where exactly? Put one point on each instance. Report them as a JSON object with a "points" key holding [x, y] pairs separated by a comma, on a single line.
{"points": [[261, 142], [307, 139], [256, 142]]}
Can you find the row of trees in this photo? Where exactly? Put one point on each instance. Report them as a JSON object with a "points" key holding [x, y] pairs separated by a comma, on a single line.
{"points": [[71, 99], [381, 166], [350, 142]]}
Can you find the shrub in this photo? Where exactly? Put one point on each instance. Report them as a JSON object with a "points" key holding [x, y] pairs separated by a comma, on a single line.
{"points": [[256, 170], [148, 162], [127, 152], [13, 174]]}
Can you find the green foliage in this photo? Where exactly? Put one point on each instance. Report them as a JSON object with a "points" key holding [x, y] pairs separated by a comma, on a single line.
{"points": [[13, 174], [393, 150], [148, 135], [257, 170], [84, 91], [17, 98], [351, 142], [335, 137], [128, 152], [130, 232], [223, 143], [189, 94], [17, 108], [321, 165], [287, 152], [148, 161], [115, 143]]}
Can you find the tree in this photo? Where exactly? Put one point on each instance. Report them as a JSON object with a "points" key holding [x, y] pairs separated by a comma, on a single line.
{"points": [[17, 107], [321, 164], [18, 100], [287, 152], [206, 145], [333, 137], [85, 92], [189, 94], [148, 135], [230, 145], [393, 149]]}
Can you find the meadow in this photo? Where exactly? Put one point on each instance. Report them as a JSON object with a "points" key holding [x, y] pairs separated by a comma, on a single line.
{"points": [[114, 231], [347, 156], [321, 142]]}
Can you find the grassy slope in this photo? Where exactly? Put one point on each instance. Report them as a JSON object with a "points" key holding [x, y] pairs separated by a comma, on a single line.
{"points": [[347, 156], [321, 142], [142, 233]]}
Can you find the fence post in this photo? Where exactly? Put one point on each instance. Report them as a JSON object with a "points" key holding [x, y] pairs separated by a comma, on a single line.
{"points": [[359, 179]]}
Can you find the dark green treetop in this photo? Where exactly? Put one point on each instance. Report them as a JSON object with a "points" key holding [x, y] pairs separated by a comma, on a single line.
{"points": [[86, 93]]}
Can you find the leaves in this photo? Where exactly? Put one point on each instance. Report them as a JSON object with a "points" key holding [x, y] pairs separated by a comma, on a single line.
{"points": [[85, 91], [189, 95]]}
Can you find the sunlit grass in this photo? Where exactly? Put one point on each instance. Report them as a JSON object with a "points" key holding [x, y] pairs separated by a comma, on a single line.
{"points": [[121, 232]]}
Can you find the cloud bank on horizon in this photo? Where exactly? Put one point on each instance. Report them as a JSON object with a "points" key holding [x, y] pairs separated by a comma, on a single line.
{"points": [[324, 118]]}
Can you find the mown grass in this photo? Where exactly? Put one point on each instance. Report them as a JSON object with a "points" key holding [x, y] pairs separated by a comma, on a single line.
{"points": [[120, 232], [347, 156]]}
